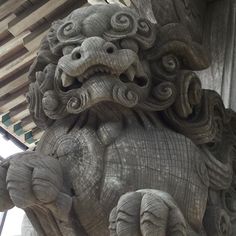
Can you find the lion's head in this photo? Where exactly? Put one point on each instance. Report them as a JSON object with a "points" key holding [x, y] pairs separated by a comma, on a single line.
{"points": [[108, 53]]}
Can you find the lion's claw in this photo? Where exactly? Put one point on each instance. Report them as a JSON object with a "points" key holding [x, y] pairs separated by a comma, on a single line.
{"points": [[147, 213], [30, 180]]}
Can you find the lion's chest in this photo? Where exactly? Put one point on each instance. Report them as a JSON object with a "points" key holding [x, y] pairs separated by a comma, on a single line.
{"points": [[135, 159], [156, 159]]}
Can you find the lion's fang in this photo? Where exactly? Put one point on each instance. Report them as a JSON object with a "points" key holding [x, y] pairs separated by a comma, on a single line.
{"points": [[130, 73], [66, 80]]}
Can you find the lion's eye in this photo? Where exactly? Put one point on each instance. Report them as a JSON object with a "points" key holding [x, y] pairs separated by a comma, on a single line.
{"points": [[68, 29], [68, 49]]}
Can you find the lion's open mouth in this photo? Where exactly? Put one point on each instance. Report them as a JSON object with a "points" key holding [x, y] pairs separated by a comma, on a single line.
{"points": [[131, 75]]}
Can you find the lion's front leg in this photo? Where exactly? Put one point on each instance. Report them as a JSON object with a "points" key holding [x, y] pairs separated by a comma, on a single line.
{"points": [[147, 213], [30, 179]]}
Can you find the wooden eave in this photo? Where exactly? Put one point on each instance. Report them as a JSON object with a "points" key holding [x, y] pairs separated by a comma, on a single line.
{"points": [[23, 24]]}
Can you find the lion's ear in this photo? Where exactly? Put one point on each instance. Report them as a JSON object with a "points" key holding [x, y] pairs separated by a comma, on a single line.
{"points": [[175, 39], [41, 77], [44, 57], [179, 33]]}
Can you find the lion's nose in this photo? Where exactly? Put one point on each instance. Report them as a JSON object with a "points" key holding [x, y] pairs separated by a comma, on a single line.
{"points": [[76, 54], [93, 47]]}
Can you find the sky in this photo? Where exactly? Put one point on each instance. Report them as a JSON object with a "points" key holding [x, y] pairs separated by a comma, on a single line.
{"points": [[12, 226]]}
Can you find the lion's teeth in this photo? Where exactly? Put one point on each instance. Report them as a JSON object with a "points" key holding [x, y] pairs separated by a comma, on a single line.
{"points": [[130, 73], [86, 75], [90, 73], [66, 80], [139, 69], [80, 79]]}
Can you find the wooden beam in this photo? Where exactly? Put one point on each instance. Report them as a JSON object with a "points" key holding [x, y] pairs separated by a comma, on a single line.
{"points": [[29, 126], [21, 128], [7, 119], [17, 129], [26, 120], [20, 138], [33, 44], [12, 103], [10, 6], [29, 137], [16, 65], [8, 97], [14, 115], [33, 135], [19, 108], [35, 16], [36, 131], [18, 49], [21, 115], [38, 135], [14, 85], [12, 46], [4, 26]]}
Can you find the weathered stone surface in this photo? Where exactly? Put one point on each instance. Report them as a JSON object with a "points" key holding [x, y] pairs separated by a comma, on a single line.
{"points": [[133, 145]]}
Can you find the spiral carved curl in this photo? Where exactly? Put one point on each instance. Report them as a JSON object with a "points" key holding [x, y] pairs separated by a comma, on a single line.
{"points": [[126, 24]]}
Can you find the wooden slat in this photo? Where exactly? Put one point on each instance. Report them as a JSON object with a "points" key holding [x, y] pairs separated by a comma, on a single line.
{"points": [[33, 135], [14, 85], [10, 6], [17, 129], [29, 126], [16, 65], [35, 16], [11, 96], [18, 48], [4, 25], [38, 135], [12, 46], [19, 108], [31, 147], [34, 43], [20, 138], [26, 120], [14, 102], [15, 114], [21, 115], [36, 131]]}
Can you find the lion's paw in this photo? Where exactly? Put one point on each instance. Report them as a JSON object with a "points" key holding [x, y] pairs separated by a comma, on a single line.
{"points": [[30, 179], [147, 213]]}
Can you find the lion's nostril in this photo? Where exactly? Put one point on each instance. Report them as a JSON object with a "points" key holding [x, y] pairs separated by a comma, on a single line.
{"points": [[110, 50], [141, 81], [77, 55]]}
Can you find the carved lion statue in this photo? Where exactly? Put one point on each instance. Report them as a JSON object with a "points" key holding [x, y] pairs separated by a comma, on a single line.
{"points": [[131, 142]]}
